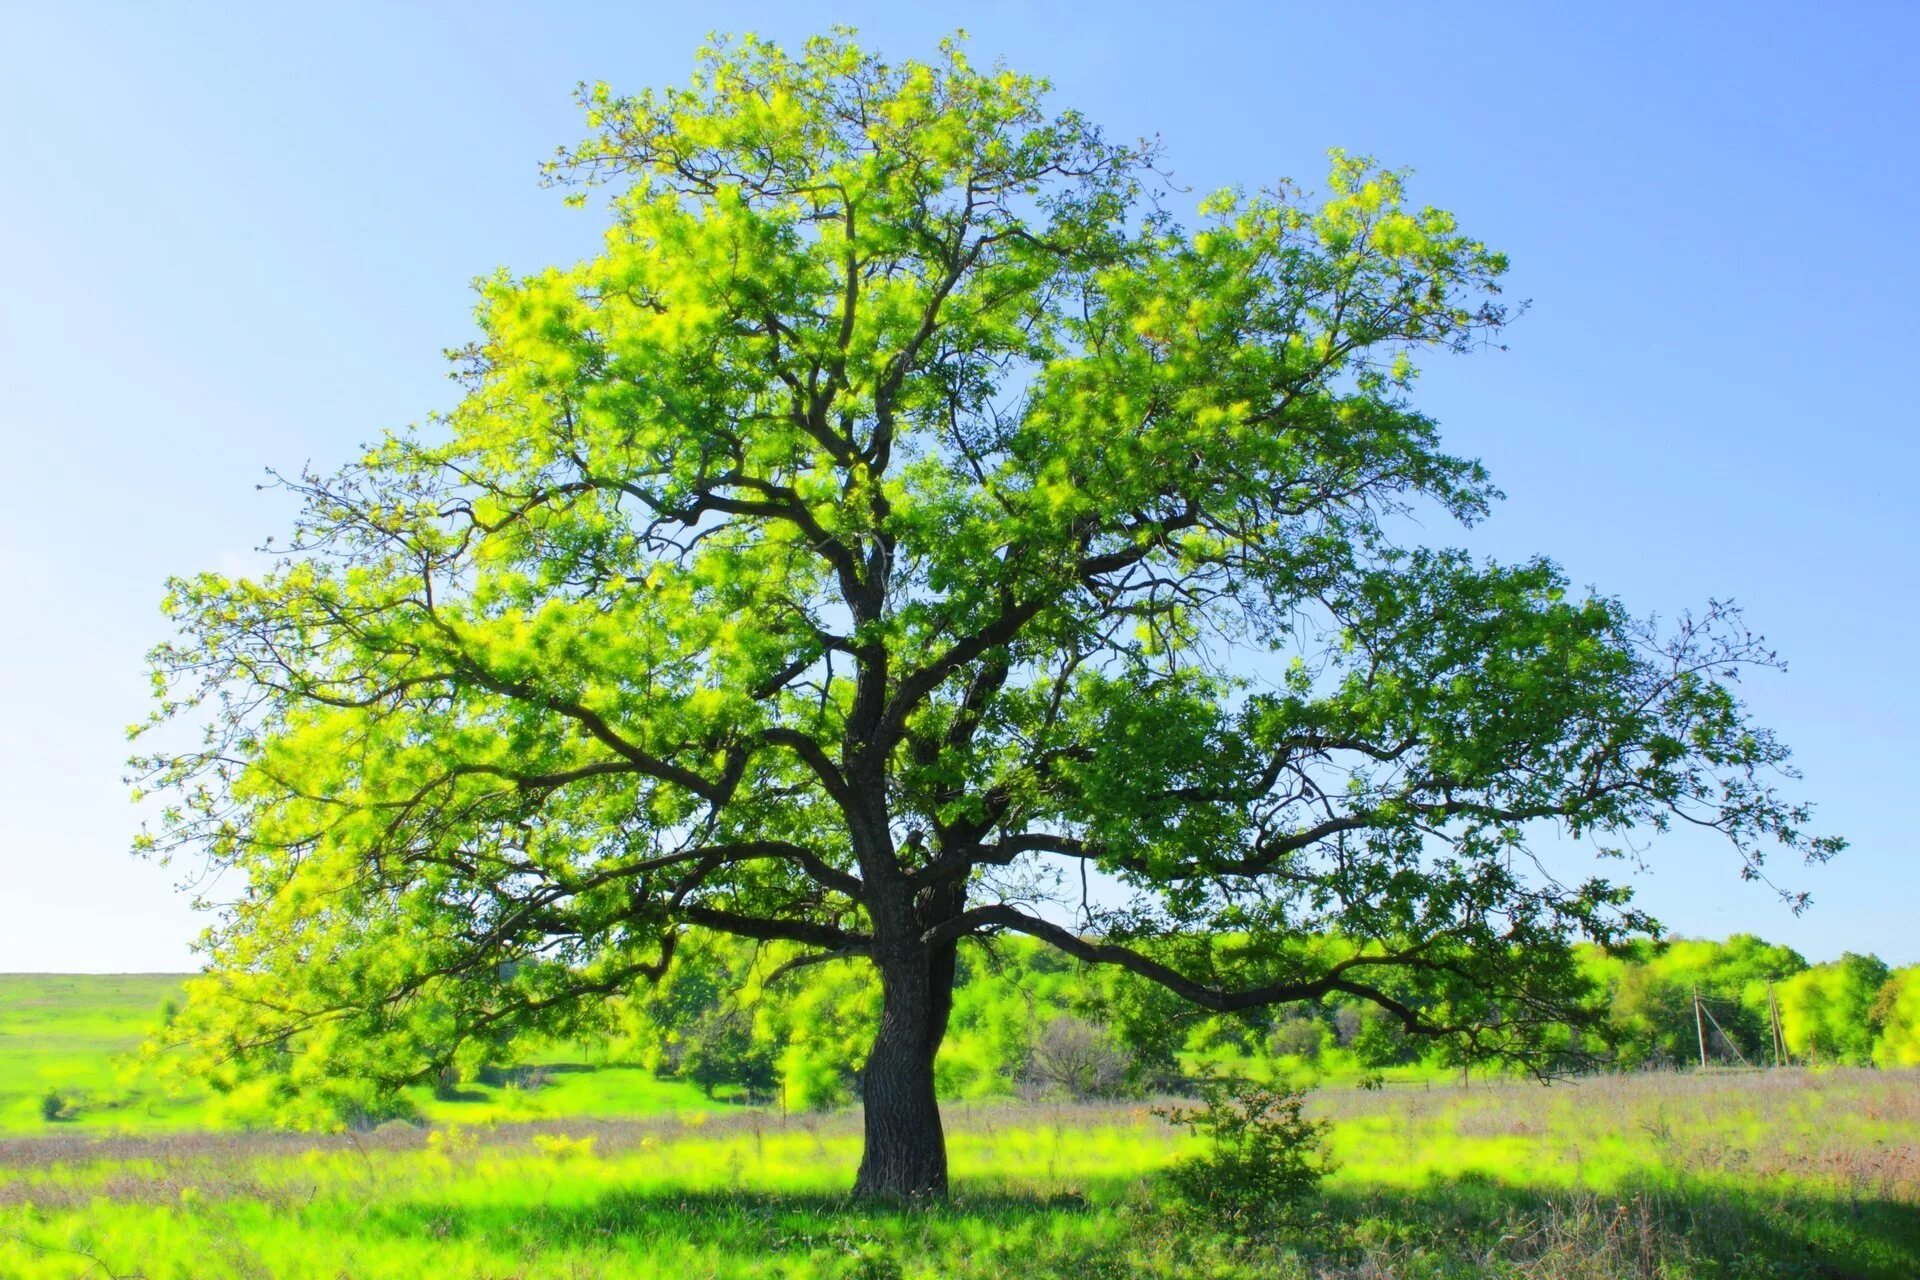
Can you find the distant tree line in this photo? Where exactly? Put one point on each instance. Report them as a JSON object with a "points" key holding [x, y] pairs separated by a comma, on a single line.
{"points": [[1032, 1022]]}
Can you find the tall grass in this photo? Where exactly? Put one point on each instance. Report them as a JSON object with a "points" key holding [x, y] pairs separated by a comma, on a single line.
{"points": [[1783, 1174]]}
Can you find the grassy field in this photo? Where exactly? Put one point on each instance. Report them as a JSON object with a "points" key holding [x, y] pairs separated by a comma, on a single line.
{"points": [[77, 1035], [74, 1034], [1763, 1174]]}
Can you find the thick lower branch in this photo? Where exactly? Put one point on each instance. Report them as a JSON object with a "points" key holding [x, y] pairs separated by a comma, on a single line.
{"points": [[988, 919], [813, 934]]}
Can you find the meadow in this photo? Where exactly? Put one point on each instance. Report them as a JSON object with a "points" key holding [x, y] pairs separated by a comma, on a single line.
{"points": [[78, 1036], [589, 1174]]}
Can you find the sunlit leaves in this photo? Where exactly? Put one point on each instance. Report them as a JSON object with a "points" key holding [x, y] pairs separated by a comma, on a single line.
{"points": [[880, 513]]}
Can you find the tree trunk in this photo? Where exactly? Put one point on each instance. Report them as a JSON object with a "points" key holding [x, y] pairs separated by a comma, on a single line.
{"points": [[906, 1149]]}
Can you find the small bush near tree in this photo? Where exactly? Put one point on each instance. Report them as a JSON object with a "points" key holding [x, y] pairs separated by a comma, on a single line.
{"points": [[1264, 1155]]}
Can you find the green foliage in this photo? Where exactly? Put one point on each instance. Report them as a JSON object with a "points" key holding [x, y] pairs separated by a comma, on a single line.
{"points": [[1650, 990], [1298, 1037], [714, 1023], [53, 1106], [1827, 1011], [720, 1049], [1896, 1018], [1380, 1041], [857, 537], [1264, 1156], [72, 1035], [823, 1020]]}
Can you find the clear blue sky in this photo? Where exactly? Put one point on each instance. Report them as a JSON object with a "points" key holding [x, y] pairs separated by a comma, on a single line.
{"points": [[240, 237]]}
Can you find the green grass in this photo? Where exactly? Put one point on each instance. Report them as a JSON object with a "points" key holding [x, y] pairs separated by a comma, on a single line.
{"points": [[78, 1035], [1793, 1174], [1789, 1174], [75, 1034]]}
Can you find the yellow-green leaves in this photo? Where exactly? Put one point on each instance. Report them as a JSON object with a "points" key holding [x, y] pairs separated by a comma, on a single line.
{"points": [[885, 507]]}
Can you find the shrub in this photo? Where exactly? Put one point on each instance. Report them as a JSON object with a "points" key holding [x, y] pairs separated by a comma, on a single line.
{"points": [[1297, 1036], [815, 1079], [1381, 1041], [53, 1106], [1078, 1058], [720, 1049], [559, 1146], [1263, 1157]]}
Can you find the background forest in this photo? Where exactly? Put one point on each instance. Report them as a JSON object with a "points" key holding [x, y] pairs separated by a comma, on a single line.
{"points": [[1028, 1022]]}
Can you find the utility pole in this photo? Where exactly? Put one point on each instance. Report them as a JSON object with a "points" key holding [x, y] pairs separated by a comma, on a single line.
{"points": [[1780, 1057], [1700, 1026], [1724, 1037]]}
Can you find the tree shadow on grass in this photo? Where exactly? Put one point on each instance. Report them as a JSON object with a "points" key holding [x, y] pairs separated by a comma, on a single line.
{"points": [[1640, 1228], [1466, 1226], [640, 1212]]}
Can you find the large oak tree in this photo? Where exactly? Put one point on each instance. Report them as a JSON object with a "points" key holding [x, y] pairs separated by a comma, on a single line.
{"points": [[901, 515]]}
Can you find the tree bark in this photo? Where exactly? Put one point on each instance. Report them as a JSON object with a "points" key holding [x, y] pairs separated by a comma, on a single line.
{"points": [[906, 1148]]}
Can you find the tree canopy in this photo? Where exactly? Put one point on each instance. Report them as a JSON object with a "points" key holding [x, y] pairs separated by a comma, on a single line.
{"points": [[903, 513]]}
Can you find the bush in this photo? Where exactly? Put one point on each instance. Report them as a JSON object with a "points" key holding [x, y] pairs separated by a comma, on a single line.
{"points": [[558, 1146], [720, 1049], [1297, 1036], [1381, 1041], [53, 1106], [1078, 1058], [1263, 1157]]}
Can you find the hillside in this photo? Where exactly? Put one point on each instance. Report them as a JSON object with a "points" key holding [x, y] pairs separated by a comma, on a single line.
{"points": [[78, 1036]]}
